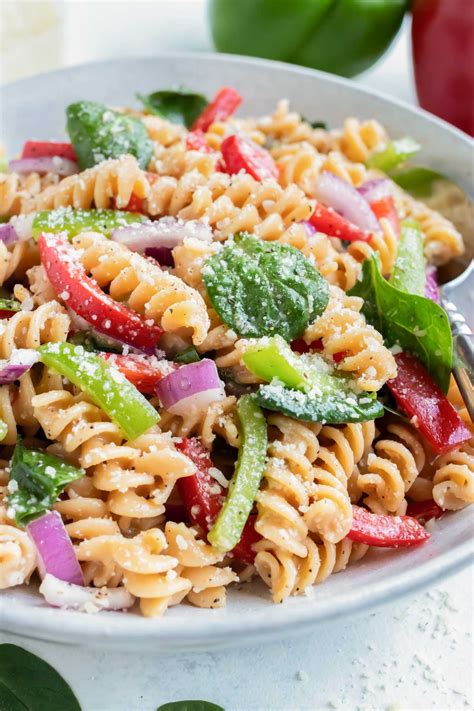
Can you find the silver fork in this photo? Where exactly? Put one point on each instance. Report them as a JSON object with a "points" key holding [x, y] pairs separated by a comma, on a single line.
{"points": [[455, 295]]}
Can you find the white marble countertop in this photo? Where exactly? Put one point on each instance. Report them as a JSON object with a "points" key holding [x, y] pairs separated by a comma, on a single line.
{"points": [[412, 656]]}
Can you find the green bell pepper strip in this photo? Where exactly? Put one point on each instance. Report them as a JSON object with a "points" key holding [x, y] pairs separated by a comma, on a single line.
{"points": [[73, 222], [340, 36], [3, 430], [273, 358], [227, 530], [394, 154], [104, 384], [409, 270], [40, 478]]}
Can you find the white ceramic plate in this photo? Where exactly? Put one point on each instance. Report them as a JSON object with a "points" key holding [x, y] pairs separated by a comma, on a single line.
{"points": [[34, 108]]}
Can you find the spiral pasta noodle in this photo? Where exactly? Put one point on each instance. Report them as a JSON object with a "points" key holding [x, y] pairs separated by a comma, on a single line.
{"points": [[453, 481], [442, 241], [359, 139], [343, 330], [108, 184], [17, 557], [149, 290]]}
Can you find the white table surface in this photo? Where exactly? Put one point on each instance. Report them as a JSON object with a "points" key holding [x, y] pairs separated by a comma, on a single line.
{"points": [[412, 656]]}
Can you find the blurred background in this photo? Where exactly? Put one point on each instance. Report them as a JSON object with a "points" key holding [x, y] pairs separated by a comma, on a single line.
{"points": [[374, 41]]}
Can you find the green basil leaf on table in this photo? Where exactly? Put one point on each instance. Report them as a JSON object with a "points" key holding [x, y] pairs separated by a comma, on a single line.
{"points": [[27, 683], [73, 222], [409, 270], [416, 179], [98, 132], [40, 478], [414, 323], [177, 106], [190, 706], [263, 288]]}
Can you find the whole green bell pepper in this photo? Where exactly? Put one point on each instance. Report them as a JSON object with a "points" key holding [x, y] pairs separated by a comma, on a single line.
{"points": [[340, 36]]}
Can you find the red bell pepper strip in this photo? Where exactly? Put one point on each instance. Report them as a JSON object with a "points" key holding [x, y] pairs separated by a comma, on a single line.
{"points": [[7, 314], [424, 510], [137, 371], [221, 107], [420, 397], [385, 531], [41, 149], [239, 153], [81, 293], [300, 346], [135, 204], [329, 222], [385, 207], [196, 141], [203, 498]]}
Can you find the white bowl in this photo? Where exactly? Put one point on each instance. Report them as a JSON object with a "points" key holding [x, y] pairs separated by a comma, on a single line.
{"points": [[34, 108]]}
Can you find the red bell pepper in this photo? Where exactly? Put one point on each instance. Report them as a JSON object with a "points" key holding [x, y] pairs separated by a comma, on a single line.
{"points": [[137, 371], [203, 498], [300, 346], [419, 397], [239, 153], [424, 510], [41, 149], [329, 222], [385, 207], [196, 141], [443, 58], [82, 294], [385, 531], [221, 107]]}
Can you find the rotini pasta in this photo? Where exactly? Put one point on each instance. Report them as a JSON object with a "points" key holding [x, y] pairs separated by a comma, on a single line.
{"points": [[214, 447]]}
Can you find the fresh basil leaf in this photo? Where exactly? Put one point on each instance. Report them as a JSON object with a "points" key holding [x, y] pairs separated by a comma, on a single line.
{"points": [[330, 398], [416, 179], [409, 270], [190, 706], [28, 683], [9, 305], [97, 133], [263, 288], [177, 106], [40, 477], [187, 355], [393, 154], [73, 222], [415, 323]]}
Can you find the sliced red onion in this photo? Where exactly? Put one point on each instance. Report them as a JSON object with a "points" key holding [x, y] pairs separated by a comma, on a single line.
{"points": [[17, 365], [8, 233], [58, 593], [166, 232], [431, 284], [23, 225], [375, 189], [163, 255], [44, 164], [310, 229], [191, 388], [345, 199], [56, 553]]}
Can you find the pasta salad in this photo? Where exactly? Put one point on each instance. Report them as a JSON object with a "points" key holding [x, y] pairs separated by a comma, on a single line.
{"points": [[223, 355]]}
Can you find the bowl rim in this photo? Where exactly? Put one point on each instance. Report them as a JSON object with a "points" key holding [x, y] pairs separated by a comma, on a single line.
{"points": [[70, 627]]}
